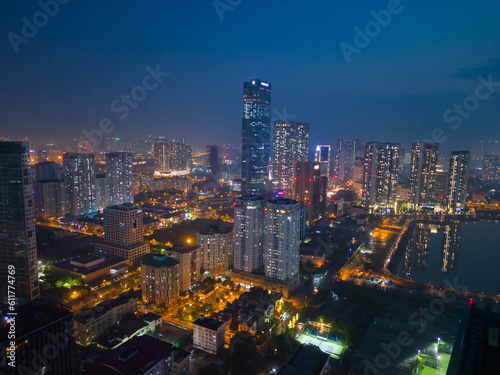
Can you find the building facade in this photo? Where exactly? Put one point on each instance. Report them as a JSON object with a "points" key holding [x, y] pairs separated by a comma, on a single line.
{"points": [[208, 334], [79, 175], [124, 233], [92, 323], [424, 157], [310, 190], [216, 249], [256, 136], [381, 167], [119, 178], [248, 233], [322, 155], [189, 257], [290, 145], [18, 250], [160, 279], [457, 181], [491, 168], [281, 238]]}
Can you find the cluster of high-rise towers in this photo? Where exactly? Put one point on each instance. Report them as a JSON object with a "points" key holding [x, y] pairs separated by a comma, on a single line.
{"points": [[274, 159]]}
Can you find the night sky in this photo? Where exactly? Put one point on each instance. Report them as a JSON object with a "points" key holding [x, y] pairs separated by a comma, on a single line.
{"points": [[397, 88]]}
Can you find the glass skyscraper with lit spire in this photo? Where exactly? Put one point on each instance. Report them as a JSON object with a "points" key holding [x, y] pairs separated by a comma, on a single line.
{"points": [[256, 136]]}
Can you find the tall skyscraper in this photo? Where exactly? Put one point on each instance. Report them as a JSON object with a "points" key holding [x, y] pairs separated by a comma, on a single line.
{"points": [[50, 198], [123, 233], [380, 175], [290, 145], [357, 174], [339, 166], [256, 135], [49, 189], [457, 180], [119, 178], [17, 223], [213, 164], [281, 238], [161, 154], [491, 168], [101, 190], [322, 155], [310, 190], [79, 175], [248, 232], [424, 157], [181, 157], [339, 161], [354, 150]]}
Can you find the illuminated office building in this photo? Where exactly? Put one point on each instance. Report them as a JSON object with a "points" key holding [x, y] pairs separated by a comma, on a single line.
{"points": [[256, 136], [322, 155]]}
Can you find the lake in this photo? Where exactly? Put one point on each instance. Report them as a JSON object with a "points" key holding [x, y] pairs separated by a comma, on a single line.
{"points": [[466, 250]]}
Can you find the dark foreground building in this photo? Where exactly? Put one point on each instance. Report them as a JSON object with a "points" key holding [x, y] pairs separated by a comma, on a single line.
{"points": [[44, 341], [476, 349]]}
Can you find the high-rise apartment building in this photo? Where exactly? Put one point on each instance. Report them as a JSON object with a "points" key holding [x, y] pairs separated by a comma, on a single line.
{"points": [[160, 279], [491, 168], [79, 175], [357, 174], [441, 188], [50, 198], [17, 223], [339, 161], [216, 249], [380, 175], [123, 233], [322, 155], [248, 232], [119, 178], [290, 146], [310, 190], [189, 257], [101, 190], [172, 156], [161, 154], [281, 238], [354, 150], [424, 157], [457, 180], [256, 135]]}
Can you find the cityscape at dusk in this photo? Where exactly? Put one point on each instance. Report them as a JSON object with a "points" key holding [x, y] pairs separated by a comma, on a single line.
{"points": [[250, 187]]}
